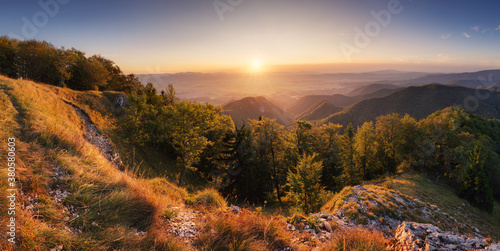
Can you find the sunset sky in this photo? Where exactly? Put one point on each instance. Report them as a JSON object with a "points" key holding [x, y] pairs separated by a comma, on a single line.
{"points": [[156, 36]]}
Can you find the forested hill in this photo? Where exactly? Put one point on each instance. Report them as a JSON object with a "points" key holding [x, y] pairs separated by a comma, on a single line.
{"points": [[253, 108], [420, 102], [42, 62]]}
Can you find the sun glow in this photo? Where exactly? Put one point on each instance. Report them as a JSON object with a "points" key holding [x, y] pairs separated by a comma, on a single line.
{"points": [[256, 65]]}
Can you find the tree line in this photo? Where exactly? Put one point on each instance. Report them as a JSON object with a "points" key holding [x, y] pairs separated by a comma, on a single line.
{"points": [[264, 161], [42, 62]]}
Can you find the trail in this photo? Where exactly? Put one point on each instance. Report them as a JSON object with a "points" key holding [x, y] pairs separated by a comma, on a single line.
{"points": [[93, 136]]}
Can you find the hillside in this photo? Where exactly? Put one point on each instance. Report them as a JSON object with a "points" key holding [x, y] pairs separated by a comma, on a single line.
{"points": [[339, 100], [418, 102], [71, 195], [252, 108], [318, 111], [371, 88], [385, 203], [474, 84], [490, 75]]}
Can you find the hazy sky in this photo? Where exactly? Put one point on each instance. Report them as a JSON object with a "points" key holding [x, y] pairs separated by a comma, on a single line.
{"points": [[153, 36]]}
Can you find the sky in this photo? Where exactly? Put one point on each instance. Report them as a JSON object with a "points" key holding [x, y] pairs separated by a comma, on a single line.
{"points": [[165, 36]]}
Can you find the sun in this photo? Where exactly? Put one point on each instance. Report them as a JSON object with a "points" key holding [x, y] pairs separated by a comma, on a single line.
{"points": [[256, 65]]}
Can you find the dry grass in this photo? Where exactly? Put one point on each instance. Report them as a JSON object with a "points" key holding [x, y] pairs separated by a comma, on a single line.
{"points": [[357, 239], [208, 198], [443, 197], [242, 231], [112, 206]]}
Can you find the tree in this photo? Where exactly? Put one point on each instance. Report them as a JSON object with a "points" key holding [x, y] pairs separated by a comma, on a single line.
{"points": [[304, 137], [305, 184], [88, 74], [328, 146], [350, 176], [388, 128], [365, 149], [269, 145], [140, 123], [169, 97], [8, 56], [475, 187], [191, 129]]}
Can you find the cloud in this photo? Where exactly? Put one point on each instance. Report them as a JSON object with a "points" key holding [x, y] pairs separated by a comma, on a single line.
{"points": [[445, 36], [466, 35], [485, 30], [498, 28], [475, 28]]}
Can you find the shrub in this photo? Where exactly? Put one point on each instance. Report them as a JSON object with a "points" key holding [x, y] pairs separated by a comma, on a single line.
{"points": [[208, 198]]}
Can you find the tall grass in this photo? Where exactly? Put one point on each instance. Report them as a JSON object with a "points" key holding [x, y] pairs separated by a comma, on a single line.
{"points": [[357, 239], [242, 231], [112, 206]]}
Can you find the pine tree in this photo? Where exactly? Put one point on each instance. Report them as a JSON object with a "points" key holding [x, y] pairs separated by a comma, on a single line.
{"points": [[475, 187]]}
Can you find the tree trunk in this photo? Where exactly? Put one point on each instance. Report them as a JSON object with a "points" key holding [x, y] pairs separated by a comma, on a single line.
{"points": [[133, 157], [181, 177], [278, 192]]}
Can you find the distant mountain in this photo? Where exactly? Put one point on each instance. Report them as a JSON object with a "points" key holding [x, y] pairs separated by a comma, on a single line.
{"points": [[419, 102], [252, 108], [474, 84], [319, 111], [367, 89], [444, 78], [305, 103]]}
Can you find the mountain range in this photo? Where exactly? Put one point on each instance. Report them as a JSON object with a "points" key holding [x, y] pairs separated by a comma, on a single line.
{"points": [[476, 92]]}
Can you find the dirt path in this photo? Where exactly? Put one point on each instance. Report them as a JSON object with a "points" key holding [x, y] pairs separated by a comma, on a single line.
{"points": [[93, 136]]}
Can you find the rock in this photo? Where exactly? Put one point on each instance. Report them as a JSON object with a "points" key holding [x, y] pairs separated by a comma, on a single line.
{"points": [[235, 209], [328, 227], [495, 247], [310, 231], [66, 218], [418, 236]]}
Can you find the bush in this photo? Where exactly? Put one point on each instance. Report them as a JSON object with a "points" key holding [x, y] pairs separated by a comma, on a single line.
{"points": [[208, 198], [357, 239]]}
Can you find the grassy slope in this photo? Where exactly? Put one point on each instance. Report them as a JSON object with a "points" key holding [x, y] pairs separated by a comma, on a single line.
{"points": [[105, 209], [411, 197], [445, 198], [111, 206]]}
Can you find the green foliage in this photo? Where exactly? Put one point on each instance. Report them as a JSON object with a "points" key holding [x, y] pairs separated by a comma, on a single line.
{"points": [[269, 146], [475, 187], [305, 184], [365, 147], [42, 62]]}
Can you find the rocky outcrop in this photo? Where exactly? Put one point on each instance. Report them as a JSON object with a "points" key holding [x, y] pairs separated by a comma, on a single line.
{"points": [[410, 236]]}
